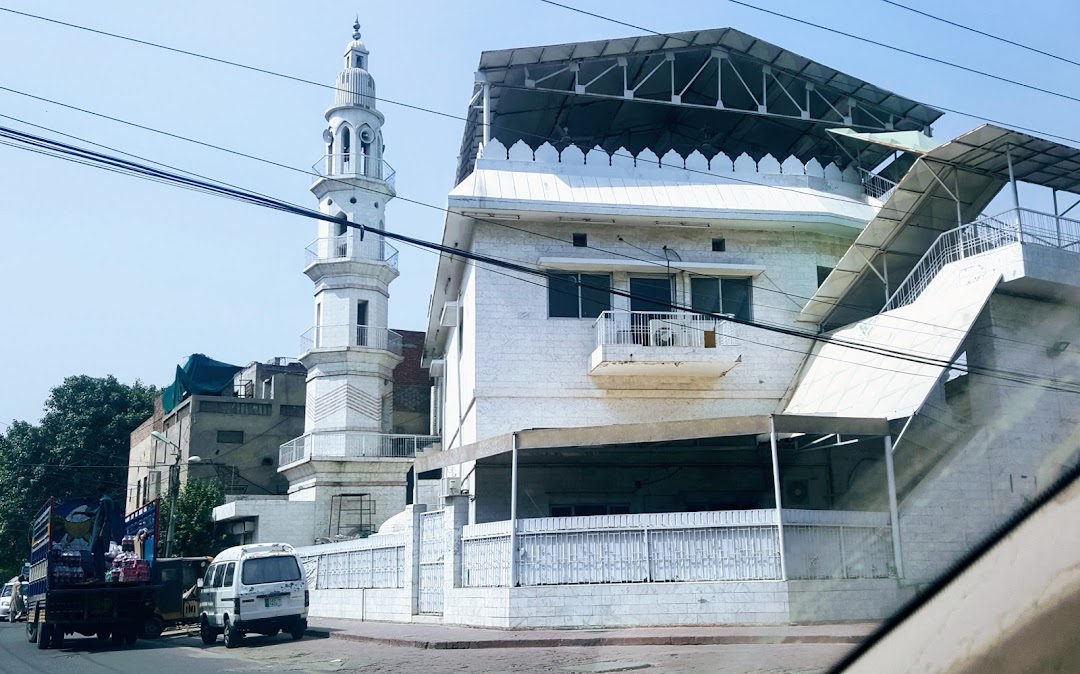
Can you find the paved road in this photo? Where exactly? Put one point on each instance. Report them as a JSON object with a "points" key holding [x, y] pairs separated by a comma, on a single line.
{"points": [[187, 654]]}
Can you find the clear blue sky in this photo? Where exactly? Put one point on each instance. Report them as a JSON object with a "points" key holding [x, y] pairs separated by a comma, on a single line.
{"points": [[105, 274]]}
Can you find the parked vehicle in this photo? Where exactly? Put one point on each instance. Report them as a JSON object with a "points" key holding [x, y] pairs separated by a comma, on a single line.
{"points": [[7, 601], [90, 572], [253, 589], [176, 600]]}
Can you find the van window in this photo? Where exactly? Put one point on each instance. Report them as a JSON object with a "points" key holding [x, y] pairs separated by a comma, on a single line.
{"points": [[6, 592], [229, 569], [270, 570], [219, 575], [208, 579]]}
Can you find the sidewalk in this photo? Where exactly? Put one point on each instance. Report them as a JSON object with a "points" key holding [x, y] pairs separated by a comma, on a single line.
{"points": [[419, 635]]}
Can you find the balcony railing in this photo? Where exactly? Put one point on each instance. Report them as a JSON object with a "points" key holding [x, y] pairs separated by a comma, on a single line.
{"points": [[338, 336], [350, 247], [876, 186], [353, 445], [985, 234], [662, 329], [353, 165]]}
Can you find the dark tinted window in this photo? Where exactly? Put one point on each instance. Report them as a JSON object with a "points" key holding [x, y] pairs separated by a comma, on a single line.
{"points": [[230, 437], [705, 295], [566, 299], [270, 570], [735, 297], [229, 571]]}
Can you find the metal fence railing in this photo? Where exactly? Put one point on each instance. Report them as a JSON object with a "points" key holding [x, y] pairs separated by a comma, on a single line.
{"points": [[350, 247], [354, 164], [338, 336], [876, 186], [985, 234], [375, 562], [662, 329], [824, 544], [353, 445]]}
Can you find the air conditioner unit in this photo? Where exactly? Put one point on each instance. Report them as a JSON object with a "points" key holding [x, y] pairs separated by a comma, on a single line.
{"points": [[451, 486], [667, 332]]}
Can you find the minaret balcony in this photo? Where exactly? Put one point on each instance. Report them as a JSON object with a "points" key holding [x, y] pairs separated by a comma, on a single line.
{"points": [[350, 337], [349, 247], [355, 165], [353, 446]]}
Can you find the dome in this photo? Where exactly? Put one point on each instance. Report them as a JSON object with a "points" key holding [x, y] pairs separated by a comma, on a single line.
{"points": [[356, 45], [355, 87]]}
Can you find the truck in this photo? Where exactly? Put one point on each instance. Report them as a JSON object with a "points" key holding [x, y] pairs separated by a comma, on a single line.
{"points": [[90, 572]]}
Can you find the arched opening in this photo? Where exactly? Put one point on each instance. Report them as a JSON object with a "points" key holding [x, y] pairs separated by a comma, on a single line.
{"points": [[346, 145], [341, 240]]}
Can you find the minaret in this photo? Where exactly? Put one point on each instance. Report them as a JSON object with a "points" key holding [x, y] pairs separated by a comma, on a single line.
{"points": [[350, 354]]}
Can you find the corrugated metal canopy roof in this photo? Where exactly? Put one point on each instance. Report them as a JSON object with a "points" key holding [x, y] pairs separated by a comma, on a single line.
{"points": [[519, 112], [974, 166]]}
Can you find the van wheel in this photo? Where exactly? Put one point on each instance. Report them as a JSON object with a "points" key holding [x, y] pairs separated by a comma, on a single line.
{"points": [[297, 631], [208, 634], [233, 636]]}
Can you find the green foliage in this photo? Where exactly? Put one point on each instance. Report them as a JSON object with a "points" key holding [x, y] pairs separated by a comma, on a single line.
{"points": [[78, 450], [195, 534]]}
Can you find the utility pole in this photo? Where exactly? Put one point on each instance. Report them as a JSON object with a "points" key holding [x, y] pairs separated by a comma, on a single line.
{"points": [[174, 490]]}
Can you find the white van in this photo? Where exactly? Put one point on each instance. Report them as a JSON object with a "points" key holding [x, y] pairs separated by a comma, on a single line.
{"points": [[253, 588]]}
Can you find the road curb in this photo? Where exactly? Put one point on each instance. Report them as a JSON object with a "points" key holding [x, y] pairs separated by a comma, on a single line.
{"points": [[588, 642]]}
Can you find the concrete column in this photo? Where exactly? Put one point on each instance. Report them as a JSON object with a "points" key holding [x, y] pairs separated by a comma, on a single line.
{"points": [[894, 513], [776, 493], [412, 556], [456, 516]]}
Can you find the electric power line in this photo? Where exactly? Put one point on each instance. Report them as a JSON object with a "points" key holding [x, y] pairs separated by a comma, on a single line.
{"points": [[970, 29], [81, 153]]}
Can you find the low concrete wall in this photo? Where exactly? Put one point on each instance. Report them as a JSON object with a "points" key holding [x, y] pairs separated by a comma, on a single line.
{"points": [[844, 600], [477, 606], [388, 605]]}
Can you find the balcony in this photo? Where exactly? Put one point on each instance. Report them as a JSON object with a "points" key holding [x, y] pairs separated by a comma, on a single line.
{"points": [[355, 165], [349, 247], [353, 445], [677, 343], [334, 337]]}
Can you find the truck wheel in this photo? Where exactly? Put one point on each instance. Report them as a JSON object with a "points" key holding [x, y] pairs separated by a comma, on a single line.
{"points": [[103, 635], [153, 627], [32, 631], [58, 636], [209, 636], [131, 634], [44, 636], [233, 636], [117, 637]]}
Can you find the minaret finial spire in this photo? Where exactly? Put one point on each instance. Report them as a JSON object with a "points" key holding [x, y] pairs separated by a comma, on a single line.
{"points": [[356, 28]]}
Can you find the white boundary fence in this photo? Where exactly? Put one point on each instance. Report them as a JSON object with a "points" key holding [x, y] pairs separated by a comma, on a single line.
{"points": [[374, 562], [735, 545]]}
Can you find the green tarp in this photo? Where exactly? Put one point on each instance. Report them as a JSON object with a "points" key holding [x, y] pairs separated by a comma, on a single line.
{"points": [[200, 375]]}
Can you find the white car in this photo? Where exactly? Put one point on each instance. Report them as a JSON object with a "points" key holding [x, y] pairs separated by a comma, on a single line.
{"points": [[5, 601], [253, 589]]}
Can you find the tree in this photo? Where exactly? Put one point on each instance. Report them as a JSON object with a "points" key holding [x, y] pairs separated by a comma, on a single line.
{"points": [[78, 450], [196, 534]]}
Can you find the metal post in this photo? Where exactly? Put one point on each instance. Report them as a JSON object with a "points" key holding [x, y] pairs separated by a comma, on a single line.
{"points": [[1015, 193], [1057, 218], [885, 274], [487, 112], [513, 512], [776, 492], [894, 515]]}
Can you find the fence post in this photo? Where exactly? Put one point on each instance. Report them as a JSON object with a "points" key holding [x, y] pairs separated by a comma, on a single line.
{"points": [[455, 517], [412, 556], [648, 556]]}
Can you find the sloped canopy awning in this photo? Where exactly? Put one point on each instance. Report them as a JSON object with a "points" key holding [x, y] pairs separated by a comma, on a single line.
{"points": [[947, 186], [665, 431], [709, 90]]}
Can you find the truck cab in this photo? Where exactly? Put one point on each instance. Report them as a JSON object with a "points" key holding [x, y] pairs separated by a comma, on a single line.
{"points": [[253, 589]]}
